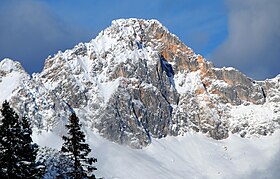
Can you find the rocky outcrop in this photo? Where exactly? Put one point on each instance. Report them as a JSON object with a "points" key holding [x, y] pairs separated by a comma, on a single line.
{"points": [[136, 81]]}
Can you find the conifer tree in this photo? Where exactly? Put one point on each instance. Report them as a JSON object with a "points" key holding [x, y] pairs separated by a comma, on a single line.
{"points": [[17, 154], [75, 147], [10, 130], [31, 168]]}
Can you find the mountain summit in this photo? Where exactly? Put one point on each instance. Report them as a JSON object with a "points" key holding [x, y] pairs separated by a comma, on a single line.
{"points": [[137, 81]]}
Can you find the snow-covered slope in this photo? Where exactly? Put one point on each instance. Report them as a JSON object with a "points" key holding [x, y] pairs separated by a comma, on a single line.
{"points": [[12, 75], [191, 156]]}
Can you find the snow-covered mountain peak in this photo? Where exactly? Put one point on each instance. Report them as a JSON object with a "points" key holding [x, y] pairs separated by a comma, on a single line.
{"points": [[137, 34], [137, 81], [7, 65], [133, 28], [135, 22], [12, 76]]}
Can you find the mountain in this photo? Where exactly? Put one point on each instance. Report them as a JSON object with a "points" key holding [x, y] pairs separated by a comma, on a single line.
{"points": [[12, 75], [137, 82]]}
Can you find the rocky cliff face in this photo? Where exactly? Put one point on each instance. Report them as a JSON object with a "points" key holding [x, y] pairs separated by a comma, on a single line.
{"points": [[136, 81]]}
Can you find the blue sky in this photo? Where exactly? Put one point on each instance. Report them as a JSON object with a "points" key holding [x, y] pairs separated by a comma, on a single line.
{"points": [[238, 33]]}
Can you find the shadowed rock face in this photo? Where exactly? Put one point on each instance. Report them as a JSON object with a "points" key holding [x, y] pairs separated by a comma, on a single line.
{"points": [[136, 81]]}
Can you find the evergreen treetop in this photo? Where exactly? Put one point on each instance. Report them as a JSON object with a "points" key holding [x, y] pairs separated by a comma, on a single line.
{"points": [[75, 147]]}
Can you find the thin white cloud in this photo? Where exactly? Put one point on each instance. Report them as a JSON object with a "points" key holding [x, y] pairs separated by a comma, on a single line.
{"points": [[253, 43]]}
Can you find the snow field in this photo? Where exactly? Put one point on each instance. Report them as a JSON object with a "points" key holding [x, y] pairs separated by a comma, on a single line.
{"points": [[191, 156]]}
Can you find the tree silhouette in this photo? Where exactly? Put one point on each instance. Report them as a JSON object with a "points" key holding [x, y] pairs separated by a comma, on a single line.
{"points": [[75, 147], [17, 153]]}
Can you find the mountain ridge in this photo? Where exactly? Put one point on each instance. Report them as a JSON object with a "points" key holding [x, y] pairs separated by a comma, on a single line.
{"points": [[137, 81]]}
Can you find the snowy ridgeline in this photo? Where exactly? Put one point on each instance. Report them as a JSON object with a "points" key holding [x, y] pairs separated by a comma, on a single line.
{"points": [[189, 156]]}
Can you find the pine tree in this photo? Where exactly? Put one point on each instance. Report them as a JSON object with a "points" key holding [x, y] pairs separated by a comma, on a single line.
{"points": [[10, 130], [31, 168], [75, 147], [17, 154]]}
